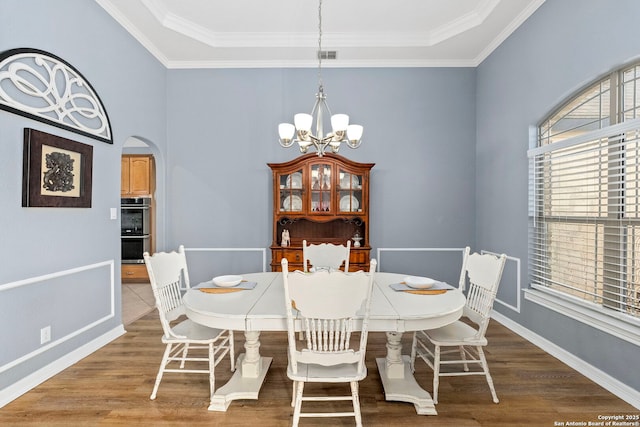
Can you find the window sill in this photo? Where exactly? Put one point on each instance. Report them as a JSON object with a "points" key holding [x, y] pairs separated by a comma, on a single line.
{"points": [[609, 321]]}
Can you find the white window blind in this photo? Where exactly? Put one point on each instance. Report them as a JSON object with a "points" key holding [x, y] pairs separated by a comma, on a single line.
{"points": [[584, 210]]}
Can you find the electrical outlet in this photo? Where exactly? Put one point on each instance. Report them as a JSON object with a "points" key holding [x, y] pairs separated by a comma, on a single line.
{"points": [[45, 334]]}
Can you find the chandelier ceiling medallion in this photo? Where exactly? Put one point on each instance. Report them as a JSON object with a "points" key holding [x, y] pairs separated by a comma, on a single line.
{"points": [[342, 131]]}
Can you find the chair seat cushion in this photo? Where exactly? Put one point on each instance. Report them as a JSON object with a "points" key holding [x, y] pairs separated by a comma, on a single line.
{"points": [[309, 372], [457, 333], [193, 332]]}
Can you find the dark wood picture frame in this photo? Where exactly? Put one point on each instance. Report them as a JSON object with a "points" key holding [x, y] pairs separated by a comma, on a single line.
{"points": [[56, 172]]}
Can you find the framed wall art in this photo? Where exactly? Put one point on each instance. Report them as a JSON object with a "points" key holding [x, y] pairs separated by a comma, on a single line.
{"points": [[44, 87], [56, 171]]}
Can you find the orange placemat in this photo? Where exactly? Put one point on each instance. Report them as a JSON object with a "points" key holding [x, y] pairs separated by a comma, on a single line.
{"points": [[426, 291], [220, 290]]}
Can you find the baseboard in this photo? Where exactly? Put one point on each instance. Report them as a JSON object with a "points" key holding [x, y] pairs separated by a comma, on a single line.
{"points": [[16, 390], [611, 384]]}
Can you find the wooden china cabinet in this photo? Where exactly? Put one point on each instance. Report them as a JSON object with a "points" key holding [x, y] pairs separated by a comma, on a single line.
{"points": [[321, 200]]}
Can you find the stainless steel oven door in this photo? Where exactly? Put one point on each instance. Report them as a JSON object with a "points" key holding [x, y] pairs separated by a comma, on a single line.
{"points": [[135, 218], [133, 247]]}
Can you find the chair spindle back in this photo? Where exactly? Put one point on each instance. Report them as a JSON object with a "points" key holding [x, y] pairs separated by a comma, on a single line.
{"points": [[329, 306]]}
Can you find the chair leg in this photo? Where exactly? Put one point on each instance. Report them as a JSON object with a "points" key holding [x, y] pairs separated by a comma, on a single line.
{"points": [[212, 366], [463, 356], [412, 360], [163, 364], [356, 403], [185, 350], [298, 405], [436, 373], [485, 366], [232, 355], [293, 394]]}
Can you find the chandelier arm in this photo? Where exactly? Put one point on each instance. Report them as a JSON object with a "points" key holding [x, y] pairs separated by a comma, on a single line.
{"points": [[286, 144], [356, 145]]}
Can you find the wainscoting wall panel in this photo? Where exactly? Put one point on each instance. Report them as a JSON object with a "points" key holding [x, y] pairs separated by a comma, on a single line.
{"points": [[70, 302]]}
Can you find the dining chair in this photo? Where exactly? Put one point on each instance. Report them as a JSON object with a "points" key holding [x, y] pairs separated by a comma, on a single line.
{"points": [[169, 279], [330, 307], [466, 336], [326, 255]]}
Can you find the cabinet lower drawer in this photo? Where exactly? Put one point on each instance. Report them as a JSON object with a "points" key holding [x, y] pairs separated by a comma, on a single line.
{"points": [[358, 258], [134, 273], [292, 267], [294, 256]]}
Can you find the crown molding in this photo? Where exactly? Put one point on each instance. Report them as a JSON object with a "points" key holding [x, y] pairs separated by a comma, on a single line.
{"points": [[134, 31], [335, 40], [509, 29], [395, 63]]}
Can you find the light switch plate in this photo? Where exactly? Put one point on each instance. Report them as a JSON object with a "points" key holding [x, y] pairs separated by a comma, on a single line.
{"points": [[114, 213]]}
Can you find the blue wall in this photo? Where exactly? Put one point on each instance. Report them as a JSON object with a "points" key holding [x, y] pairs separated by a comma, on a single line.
{"points": [[563, 46], [83, 307], [419, 131]]}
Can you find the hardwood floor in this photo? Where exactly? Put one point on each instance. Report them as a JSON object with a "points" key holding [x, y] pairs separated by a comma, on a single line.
{"points": [[112, 387]]}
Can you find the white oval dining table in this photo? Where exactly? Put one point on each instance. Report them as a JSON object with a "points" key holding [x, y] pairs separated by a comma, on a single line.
{"points": [[262, 309]]}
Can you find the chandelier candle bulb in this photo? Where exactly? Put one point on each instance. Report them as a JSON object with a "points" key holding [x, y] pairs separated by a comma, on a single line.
{"points": [[354, 135], [286, 131], [303, 121], [339, 122]]}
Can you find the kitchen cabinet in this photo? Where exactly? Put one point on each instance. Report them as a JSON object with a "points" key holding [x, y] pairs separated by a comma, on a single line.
{"points": [[136, 178], [321, 200], [134, 273]]}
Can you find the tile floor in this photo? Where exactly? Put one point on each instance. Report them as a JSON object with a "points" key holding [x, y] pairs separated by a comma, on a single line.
{"points": [[137, 300]]}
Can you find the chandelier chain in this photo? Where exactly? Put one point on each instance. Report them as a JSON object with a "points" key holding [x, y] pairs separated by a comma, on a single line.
{"points": [[320, 44]]}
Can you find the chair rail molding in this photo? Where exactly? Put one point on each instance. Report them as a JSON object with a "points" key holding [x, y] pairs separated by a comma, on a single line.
{"points": [[44, 87], [262, 251], [42, 374]]}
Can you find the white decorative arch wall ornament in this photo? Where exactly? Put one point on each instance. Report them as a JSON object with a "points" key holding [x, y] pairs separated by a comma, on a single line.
{"points": [[44, 87]]}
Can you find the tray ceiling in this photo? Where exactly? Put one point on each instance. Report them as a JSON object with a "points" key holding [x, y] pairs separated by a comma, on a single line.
{"points": [[284, 33]]}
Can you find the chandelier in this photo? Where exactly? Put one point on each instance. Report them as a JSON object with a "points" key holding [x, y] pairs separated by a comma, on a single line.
{"points": [[341, 132]]}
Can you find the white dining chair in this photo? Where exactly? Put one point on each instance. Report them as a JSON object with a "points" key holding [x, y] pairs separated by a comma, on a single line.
{"points": [[330, 307], [169, 279], [326, 255], [467, 338]]}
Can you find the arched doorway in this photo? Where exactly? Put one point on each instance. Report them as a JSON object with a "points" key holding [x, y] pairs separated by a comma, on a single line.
{"points": [[142, 222]]}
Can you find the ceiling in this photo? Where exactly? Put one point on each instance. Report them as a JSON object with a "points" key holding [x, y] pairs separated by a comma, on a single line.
{"points": [[284, 33]]}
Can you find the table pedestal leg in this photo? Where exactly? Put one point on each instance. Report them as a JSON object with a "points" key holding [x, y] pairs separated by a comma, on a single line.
{"points": [[397, 379], [246, 381], [250, 365]]}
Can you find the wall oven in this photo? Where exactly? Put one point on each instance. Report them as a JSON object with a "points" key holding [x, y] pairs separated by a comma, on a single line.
{"points": [[135, 228]]}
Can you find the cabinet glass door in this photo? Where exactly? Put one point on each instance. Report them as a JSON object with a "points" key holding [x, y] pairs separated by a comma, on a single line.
{"points": [[321, 187], [291, 191], [350, 194]]}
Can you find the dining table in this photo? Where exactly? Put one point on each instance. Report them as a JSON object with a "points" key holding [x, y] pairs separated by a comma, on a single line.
{"points": [[262, 308]]}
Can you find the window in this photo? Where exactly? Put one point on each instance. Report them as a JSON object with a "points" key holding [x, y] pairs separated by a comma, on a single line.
{"points": [[584, 201]]}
